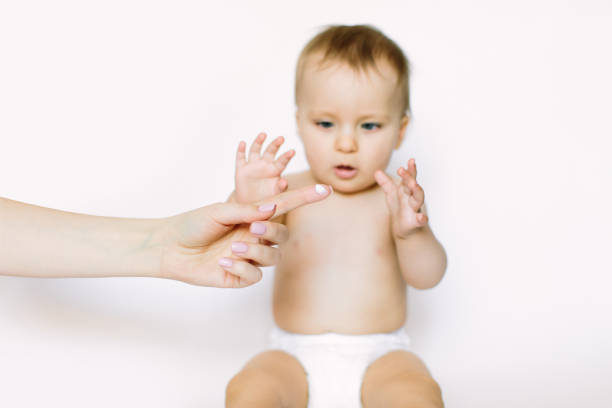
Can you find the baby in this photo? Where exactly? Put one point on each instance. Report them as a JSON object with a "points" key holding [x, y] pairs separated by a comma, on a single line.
{"points": [[340, 285]]}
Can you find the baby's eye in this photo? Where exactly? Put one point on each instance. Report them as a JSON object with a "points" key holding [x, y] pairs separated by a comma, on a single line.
{"points": [[371, 126], [324, 124]]}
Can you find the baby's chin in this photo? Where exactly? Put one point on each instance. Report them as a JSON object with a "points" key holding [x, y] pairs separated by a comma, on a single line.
{"points": [[351, 186], [344, 189]]}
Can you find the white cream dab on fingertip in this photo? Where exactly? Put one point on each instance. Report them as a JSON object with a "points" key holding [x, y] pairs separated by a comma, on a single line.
{"points": [[320, 189]]}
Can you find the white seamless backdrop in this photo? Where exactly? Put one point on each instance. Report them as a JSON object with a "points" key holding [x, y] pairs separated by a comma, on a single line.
{"points": [[134, 109]]}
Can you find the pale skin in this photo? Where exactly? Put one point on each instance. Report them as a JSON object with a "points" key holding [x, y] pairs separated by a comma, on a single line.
{"points": [[348, 260], [196, 247]]}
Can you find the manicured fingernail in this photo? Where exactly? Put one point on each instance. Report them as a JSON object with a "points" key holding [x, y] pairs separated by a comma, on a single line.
{"points": [[239, 247], [320, 189], [266, 207], [226, 262], [258, 228]]}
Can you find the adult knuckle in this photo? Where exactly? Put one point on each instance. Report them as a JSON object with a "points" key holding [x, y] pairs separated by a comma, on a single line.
{"points": [[255, 251], [271, 228]]}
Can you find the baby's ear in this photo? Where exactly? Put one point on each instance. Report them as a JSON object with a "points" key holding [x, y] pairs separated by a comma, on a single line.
{"points": [[402, 131]]}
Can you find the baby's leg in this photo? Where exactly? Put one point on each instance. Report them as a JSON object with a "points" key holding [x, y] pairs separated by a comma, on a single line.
{"points": [[270, 379], [400, 379]]}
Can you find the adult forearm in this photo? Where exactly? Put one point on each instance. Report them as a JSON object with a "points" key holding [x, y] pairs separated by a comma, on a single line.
{"points": [[422, 258], [42, 242]]}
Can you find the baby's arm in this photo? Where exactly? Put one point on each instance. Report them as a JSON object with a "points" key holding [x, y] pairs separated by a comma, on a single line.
{"points": [[421, 257]]}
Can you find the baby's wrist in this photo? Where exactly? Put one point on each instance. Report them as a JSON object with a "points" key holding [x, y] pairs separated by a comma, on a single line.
{"points": [[244, 198], [250, 197], [404, 235]]}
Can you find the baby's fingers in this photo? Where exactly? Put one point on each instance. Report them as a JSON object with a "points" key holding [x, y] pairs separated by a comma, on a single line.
{"points": [[413, 189], [406, 176], [389, 188], [240, 154], [412, 168], [283, 160], [385, 182], [273, 148], [409, 183], [263, 255], [256, 146]]}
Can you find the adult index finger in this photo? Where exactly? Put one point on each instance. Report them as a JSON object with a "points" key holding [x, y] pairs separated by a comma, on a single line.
{"points": [[293, 199]]}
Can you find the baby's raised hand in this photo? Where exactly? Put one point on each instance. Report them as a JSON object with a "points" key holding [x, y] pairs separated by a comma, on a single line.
{"points": [[404, 199], [259, 176]]}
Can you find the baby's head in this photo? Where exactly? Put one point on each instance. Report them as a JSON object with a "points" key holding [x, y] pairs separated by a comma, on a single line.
{"points": [[352, 99]]}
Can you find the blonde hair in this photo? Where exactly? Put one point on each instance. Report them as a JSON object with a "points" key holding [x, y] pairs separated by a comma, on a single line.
{"points": [[360, 46]]}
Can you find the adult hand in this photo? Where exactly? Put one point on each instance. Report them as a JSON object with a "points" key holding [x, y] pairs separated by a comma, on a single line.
{"points": [[48, 243], [215, 245]]}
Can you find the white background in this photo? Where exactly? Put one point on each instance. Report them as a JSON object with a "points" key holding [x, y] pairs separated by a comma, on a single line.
{"points": [[134, 109]]}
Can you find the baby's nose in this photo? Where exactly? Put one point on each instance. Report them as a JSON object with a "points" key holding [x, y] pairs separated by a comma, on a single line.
{"points": [[346, 142]]}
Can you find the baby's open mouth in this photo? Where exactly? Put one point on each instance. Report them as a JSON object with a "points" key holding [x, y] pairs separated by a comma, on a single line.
{"points": [[344, 171], [345, 167]]}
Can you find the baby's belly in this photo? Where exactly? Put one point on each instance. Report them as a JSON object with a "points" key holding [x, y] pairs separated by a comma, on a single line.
{"points": [[341, 301]]}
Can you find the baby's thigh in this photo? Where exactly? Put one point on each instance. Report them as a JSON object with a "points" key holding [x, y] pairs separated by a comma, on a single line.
{"points": [[399, 379], [270, 379]]}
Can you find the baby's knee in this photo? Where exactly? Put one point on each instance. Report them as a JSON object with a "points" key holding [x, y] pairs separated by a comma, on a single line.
{"points": [[252, 388], [413, 389], [423, 388]]}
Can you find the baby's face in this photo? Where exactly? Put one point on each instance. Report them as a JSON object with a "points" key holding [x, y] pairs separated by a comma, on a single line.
{"points": [[349, 122]]}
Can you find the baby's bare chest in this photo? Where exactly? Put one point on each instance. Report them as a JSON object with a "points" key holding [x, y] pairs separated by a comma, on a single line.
{"points": [[348, 231]]}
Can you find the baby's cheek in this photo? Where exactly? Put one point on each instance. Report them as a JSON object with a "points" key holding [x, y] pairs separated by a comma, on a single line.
{"points": [[380, 159], [315, 157]]}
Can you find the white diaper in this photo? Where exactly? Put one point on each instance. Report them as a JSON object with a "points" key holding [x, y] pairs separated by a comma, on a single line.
{"points": [[335, 363]]}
